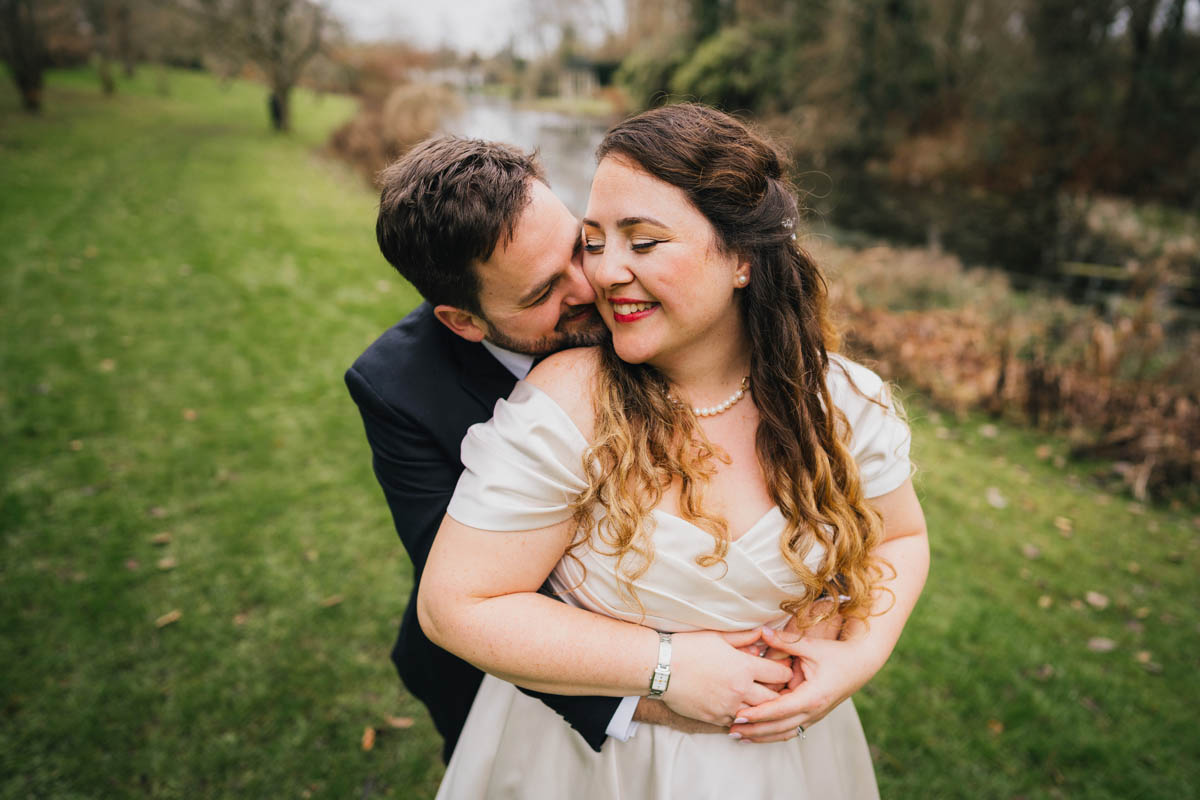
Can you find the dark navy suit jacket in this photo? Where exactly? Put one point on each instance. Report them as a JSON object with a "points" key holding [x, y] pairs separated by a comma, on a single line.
{"points": [[419, 387]]}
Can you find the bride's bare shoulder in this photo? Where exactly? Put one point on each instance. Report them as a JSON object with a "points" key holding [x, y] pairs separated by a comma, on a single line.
{"points": [[568, 377]]}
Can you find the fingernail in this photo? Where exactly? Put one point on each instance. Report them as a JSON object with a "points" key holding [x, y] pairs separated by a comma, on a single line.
{"points": [[735, 736], [740, 721]]}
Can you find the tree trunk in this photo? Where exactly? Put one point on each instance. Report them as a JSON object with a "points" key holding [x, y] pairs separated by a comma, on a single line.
{"points": [[104, 70], [21, 47], [123, 32], [31, 95], [279, 106]]}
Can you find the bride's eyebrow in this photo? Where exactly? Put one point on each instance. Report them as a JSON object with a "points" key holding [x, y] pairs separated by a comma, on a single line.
{"points": [[627, 222]]}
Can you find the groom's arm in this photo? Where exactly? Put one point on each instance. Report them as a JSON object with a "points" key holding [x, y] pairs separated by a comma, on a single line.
{"points": [[418, 478]]}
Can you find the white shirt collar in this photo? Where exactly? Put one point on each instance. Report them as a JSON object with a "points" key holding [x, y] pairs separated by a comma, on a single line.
{"points": [[518, 364]]}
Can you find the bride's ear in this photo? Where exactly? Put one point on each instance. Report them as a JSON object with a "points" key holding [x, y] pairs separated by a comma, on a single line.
{"points": [[463, 323]]}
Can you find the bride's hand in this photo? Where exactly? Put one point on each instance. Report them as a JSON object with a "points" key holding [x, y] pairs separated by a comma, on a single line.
{"points": [[825, 672], [711, 678], [828, 628]]}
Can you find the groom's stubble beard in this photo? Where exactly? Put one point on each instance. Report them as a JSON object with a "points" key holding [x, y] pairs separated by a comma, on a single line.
{"points": [[567, 334]]}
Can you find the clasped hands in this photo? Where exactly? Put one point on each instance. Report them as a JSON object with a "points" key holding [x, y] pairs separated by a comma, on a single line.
{"points": [[760, 685]]}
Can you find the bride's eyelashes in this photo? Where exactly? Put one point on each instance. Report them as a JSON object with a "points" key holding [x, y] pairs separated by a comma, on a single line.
{"points": [[638, 246]]}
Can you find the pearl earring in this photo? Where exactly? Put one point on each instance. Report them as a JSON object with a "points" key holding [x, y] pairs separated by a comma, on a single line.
{"points": [[741, 280]]}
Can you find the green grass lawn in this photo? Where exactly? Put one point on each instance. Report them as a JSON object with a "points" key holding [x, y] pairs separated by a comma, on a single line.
{"points": [[180, 292]]}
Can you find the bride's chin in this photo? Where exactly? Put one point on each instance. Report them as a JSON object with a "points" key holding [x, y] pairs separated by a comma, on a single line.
{"points": [[630, 353]]}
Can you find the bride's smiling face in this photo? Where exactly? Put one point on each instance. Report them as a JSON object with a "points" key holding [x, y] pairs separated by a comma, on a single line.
{"points": [[664, 284]]}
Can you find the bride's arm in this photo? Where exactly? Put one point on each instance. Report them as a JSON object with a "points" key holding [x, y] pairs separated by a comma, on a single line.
{"points": [[834, 670], [478, 599]]}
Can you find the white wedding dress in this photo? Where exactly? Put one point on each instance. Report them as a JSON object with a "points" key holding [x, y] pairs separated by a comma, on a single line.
{"points": [[522, 469]]}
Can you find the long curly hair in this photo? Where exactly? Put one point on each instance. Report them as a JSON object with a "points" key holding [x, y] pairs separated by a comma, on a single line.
{"points": [[644, 441]]}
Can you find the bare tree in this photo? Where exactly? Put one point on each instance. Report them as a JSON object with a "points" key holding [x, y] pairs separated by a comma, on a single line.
{"points": [[280, 37], [23, 49]]}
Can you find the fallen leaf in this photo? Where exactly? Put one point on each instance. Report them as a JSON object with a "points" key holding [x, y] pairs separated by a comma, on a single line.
{"points": [[1134, 567], [90, 251], [240, 619], [1045, 672], [988, 431], [368, 738], [995, 726], [1101, 644], [1142, 612], [1045, 601], [167, 562], [1077, 604], [995, 498], [1030, 551], [1143, 656], [1064, 525], [400, 722], [158, 512], [107, 365], [189, 414], [332, 600], [1059, 462], [76, 445], [161, 538], [311, 555], [131, 564], [167, 618], [1096, 600], [1043, 451]]}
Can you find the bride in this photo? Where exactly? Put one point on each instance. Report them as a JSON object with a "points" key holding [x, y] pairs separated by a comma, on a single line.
{"points": [[715, 467]]}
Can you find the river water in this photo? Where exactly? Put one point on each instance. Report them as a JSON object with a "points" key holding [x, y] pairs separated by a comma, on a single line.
{"points": [[566, 143]]}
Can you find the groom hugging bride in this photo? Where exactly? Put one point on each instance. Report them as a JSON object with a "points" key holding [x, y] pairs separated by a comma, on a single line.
{"points": [[689, 528]]}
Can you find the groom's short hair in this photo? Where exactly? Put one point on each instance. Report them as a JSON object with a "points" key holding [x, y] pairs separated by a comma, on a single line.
{"points": [[444, 207]]}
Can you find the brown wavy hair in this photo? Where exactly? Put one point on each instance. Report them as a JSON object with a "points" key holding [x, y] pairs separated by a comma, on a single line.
{"points": [[644, 441]]}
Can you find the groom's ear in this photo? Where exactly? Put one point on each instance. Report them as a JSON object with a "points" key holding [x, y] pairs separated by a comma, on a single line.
{"points": [[464, 323]]}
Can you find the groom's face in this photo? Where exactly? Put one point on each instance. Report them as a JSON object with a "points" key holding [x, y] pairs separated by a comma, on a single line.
{"points": [[533, 294]]}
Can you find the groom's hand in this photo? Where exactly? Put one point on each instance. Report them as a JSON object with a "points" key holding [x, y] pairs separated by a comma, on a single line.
{"points": [[655, 712]]}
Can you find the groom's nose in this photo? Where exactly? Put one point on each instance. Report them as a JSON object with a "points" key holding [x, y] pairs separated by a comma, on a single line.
{"points": [[579, 291]]}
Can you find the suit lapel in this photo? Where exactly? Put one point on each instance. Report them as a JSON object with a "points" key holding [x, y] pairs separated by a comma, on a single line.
{"points": [[482, 376]]}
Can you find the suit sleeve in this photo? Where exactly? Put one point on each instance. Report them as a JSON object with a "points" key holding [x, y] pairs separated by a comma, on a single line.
{"points": [[418, 479]]}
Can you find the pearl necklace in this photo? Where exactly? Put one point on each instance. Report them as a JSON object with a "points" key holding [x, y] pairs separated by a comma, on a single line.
{"points": [[720, 408]]}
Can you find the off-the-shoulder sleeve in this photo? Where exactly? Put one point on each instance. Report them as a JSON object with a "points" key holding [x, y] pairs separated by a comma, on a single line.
{"points": [[522, 468], [879, 437]]}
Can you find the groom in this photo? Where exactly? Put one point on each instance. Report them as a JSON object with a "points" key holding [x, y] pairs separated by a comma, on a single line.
{"points": [[497, 257]]}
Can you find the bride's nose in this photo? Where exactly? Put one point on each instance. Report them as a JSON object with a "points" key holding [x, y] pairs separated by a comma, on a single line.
{"points": [[606, 269]]}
